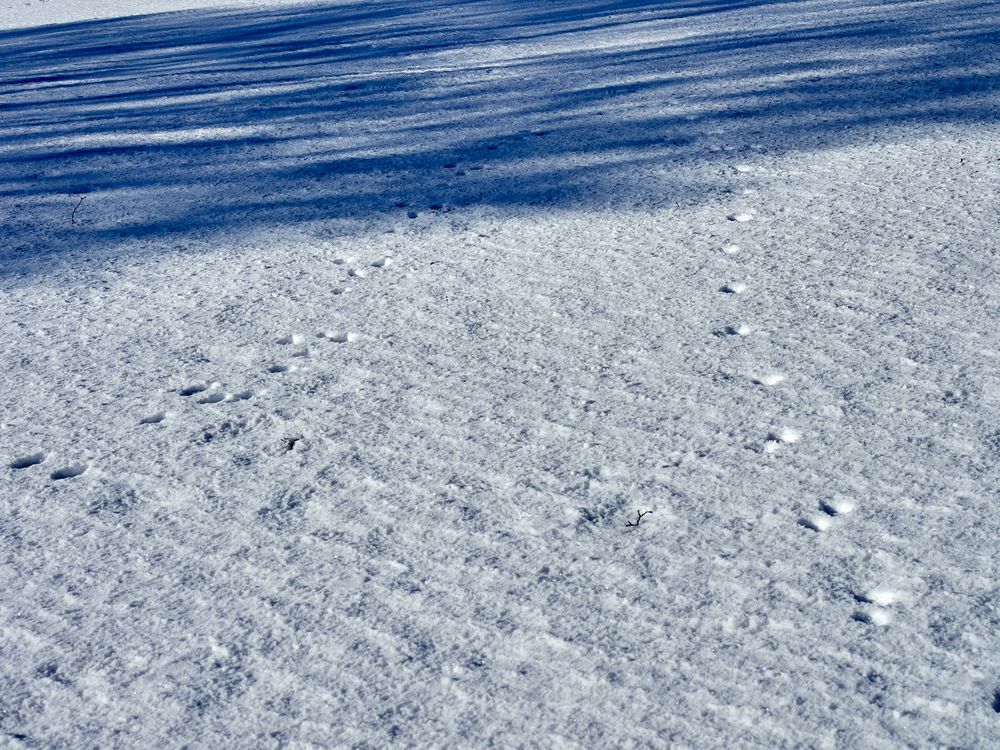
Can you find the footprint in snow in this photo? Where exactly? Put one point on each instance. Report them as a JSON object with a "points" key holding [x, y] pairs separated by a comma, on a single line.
{"points": [[26, 462], [829, 509], [740, 330], [296, 339], [778, 438], [341, 337], [817, 523], [879, 617], [837, 507], [217, 395], [771, 378], [68, 472], [733, 287], [881, 596], [879, 600], [214, 395], [194, 388]]}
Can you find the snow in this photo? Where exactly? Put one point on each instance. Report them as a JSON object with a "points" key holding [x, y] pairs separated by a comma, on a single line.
{"points": [[456, 374]]}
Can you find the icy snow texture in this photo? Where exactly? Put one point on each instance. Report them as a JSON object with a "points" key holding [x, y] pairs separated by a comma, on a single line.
{"points": [[223, 527]]}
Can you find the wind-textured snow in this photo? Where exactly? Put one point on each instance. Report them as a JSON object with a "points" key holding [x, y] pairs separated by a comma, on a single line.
{"points": [[550, 374]]}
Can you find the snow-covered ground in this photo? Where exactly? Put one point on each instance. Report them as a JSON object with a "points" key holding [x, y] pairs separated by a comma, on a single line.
{"points": [[341, 341]]}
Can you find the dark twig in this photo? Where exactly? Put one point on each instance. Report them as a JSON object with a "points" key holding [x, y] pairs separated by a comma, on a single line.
{"points": [[638, 518], [72, 217]]}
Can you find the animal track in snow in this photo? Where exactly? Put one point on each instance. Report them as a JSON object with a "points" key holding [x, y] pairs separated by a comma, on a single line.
{"points": [[816, 523], [68, 472], [741, 216], [278, 367], [741, 330], [881, 596], [830, 509], [27, 461], [341, 289], [771, 378], [879, 617], [197, 388], [382, 262], [356, 273], [218, 396], [787, 435], [734, 287], [344, 260], [784, 436], [881, 599], [743, 168], [341, 337], [836, 507], [292, 338], [154, 418]]}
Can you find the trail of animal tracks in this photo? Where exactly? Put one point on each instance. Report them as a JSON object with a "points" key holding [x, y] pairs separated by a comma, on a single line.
{"points": [[468, 374]]}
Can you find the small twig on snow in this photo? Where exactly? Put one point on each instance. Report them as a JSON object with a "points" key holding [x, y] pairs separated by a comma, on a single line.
{"points": [[639, 515], [72, 217]]}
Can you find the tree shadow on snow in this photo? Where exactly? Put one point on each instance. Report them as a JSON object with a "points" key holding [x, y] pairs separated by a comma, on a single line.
{"points": [[197, 122]]}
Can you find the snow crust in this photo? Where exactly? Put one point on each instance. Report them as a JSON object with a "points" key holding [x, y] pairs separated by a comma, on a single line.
{"points": [[345, 345]]}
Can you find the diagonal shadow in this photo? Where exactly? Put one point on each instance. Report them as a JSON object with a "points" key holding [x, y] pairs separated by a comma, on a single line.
{"points": [[197, 122]]}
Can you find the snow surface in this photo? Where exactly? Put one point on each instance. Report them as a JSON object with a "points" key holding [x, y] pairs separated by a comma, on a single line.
{"points": [[342, 342]]}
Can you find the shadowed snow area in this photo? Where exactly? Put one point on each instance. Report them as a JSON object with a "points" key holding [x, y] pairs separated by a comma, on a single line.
{"points": [[224, 120], [500, 374]]}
